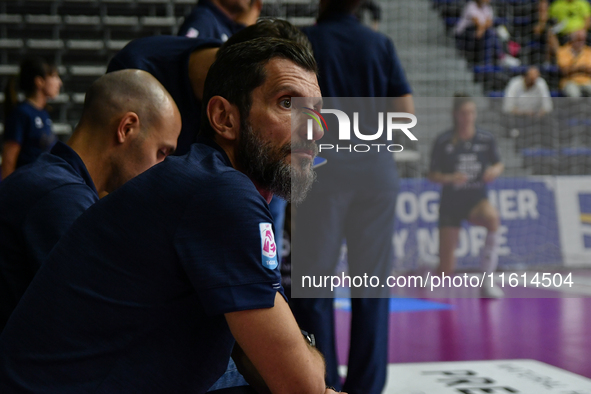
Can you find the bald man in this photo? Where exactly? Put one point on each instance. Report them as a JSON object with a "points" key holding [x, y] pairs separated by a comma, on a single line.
{"points": [[129, 123]]}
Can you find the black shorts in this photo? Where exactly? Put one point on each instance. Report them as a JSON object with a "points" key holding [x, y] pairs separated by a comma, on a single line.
{"points": [[452, 216]]}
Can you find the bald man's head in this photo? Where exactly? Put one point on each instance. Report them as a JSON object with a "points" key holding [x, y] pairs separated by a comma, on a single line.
{"points": [[126, 91], [130, 122]]}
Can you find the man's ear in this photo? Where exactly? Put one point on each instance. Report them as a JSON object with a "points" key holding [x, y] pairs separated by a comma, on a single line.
{"points": [[128, 127], [224, 118], [39, 82]]}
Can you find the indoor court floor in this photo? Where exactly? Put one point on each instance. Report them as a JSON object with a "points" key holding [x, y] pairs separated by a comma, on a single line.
{"points": [[428, 333]]}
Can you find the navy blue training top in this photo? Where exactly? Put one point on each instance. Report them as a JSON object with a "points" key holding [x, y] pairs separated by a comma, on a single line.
{"points": [[131, 300], [206, 20], [31, 129], [167, 59], [470, 157], [355, 61], [38, 203]]}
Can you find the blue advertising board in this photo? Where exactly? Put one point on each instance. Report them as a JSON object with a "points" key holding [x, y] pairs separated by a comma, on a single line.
{"points": [[529, 232]]}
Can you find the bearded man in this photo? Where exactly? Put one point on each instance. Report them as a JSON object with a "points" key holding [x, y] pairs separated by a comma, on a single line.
{"points": [[151, 287]]}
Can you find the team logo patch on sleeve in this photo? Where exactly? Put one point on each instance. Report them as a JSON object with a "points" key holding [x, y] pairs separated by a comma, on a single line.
{"points": [[192, 33], [268, 246]]}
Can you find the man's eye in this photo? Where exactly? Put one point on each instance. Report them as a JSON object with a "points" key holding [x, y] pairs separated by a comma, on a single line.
{"points": [[286, 103]]}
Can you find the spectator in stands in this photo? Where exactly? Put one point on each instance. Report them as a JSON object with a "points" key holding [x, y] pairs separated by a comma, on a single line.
{"points": [[541, 32], [128, 124], [464, 160], [526, 103], [353, 61], [220, 19], [567, 17], [574, 61], [528, 95], [474, 31], [27, 126], [477, 38]]}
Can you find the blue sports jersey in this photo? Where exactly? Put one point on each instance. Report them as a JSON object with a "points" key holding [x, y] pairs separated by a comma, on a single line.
{"points": [[167, 59], [344, 48], [472, 158], [355, 61], [31, 128], [38, 203], [206, 20], [132, 297]]}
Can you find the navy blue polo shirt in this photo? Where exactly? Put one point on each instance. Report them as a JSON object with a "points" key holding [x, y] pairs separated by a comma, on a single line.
{"points": [[132, 298], [470, 157], [30, 127], [38, 203], [206, 20], [167, 59], [355, 61]]}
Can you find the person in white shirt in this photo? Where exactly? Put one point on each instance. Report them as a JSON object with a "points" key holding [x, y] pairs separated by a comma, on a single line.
{"points": [[477, 38], [527, 94], [474, 33], [478, 14], [526, 104]]}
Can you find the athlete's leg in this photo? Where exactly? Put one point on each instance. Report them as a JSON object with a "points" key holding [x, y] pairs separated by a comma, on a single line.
{"points": [[448, 242], [484, 214]]}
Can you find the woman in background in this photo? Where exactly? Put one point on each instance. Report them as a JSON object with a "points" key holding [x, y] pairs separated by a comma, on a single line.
{"points": [[477, 38], [465, 160], [27, 126]]}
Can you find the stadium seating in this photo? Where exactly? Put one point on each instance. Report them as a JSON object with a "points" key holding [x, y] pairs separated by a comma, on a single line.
{"points": [[569, 152], [81, 36]]}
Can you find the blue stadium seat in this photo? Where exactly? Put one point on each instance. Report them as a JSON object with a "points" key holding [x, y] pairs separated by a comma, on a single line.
{"points": [[575, 161], [543, 161]]}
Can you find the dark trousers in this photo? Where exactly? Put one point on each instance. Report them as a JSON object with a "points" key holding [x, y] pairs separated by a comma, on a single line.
{"points": [[366, 221], [484, 50]]}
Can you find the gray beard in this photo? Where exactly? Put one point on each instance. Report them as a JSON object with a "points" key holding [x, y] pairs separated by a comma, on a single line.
{"points": [[267, 167]]}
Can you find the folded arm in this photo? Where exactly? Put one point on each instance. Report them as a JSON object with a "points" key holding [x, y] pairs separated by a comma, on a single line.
{"points": [[272, 341]]}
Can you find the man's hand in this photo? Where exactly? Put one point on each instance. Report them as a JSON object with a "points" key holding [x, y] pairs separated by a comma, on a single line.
{"points": [[248, 371], [272, 341], [480, 31], [492, 172], [458, 178]]}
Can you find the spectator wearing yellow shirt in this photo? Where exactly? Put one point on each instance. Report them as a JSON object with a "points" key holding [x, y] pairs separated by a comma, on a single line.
{"points": [[574, 61], [567, 17]]}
